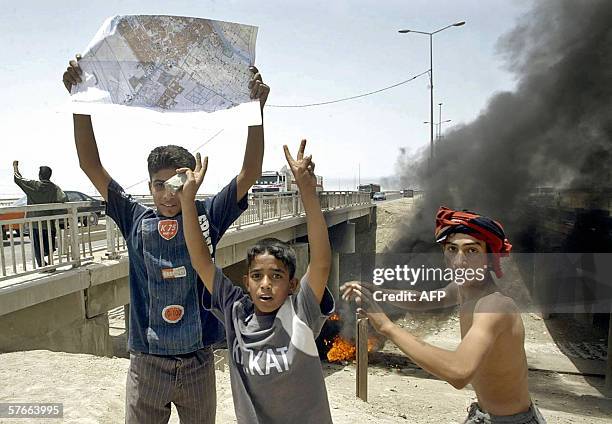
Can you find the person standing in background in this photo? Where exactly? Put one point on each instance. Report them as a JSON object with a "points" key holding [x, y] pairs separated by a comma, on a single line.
{"points": [[38, 192]]}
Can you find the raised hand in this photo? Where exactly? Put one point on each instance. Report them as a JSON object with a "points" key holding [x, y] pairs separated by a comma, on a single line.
{"points": [[259, 90], [194, 179], [302, 168], [347, 288], [73, 73]]}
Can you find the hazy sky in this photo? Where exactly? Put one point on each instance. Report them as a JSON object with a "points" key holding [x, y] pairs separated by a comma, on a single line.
{"points": [[307, 52]]}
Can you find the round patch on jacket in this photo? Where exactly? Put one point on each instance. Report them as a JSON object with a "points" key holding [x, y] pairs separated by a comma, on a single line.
{"points": [[173, 313], [167, 228]]}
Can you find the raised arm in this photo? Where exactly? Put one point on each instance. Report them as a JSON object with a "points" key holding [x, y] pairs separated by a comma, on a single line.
{"points": [[16, 169], [318, 237], [87, 150], [254, 151], [26, 185], [425, 303], [196, 245]]}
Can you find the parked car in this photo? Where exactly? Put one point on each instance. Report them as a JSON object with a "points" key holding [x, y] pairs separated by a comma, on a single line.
{"points": [[12, 215], [379, 195], [96, 211]]}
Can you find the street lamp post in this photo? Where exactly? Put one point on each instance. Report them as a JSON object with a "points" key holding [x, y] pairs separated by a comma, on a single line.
{"points": [[439, 121], [438, 127], [431, 83]]}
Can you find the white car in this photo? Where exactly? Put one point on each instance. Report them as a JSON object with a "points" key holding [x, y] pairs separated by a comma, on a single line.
{"points": [[379, 195]]}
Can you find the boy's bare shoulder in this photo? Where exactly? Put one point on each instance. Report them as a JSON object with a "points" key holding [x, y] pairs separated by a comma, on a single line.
{"points": [[496, 303]]}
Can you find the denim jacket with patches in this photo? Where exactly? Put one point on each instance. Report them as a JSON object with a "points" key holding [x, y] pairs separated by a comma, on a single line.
{"points": [[166, 295]]}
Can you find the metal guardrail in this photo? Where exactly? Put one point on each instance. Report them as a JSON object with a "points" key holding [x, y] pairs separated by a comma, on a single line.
{"points": [[75, 238], [65, 229], [393, 195], [263, 208]]}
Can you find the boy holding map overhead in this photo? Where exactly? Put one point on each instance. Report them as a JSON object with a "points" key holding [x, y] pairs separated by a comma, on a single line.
{"points": [[170, 334]]}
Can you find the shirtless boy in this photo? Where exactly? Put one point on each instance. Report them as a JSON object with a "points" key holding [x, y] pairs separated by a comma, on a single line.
{"points": [[491, 356]]}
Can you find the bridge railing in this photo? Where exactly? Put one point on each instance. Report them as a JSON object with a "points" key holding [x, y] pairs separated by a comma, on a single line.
{"points": [[70, 229], [59, 235], [262, 208]]}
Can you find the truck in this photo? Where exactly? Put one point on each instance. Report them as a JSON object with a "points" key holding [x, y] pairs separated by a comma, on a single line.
{"points": [[369, 188], [280, 181], [407, 192]]}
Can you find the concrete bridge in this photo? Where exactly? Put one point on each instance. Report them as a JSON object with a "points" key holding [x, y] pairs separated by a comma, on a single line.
{"points": [[67, 309]]}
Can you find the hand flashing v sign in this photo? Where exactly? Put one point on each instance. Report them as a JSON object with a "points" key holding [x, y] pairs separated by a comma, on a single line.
{"points": [[302, 168]]}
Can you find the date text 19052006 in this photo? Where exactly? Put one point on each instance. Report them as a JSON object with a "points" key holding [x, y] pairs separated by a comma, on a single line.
{"points": [[31, 410]]}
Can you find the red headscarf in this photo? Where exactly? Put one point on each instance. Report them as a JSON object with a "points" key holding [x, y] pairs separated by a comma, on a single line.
{"points": [[449, 221]]}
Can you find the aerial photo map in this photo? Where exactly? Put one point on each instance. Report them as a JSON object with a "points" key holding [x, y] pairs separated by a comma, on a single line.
{"points": [[168, 63]]}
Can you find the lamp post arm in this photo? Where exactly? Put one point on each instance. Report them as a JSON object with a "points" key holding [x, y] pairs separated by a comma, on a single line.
{"points": [[405, 31], [442, 29]]}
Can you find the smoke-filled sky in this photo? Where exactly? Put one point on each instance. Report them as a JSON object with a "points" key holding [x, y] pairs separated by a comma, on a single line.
{"points": [[554, 129], [306, 51]]}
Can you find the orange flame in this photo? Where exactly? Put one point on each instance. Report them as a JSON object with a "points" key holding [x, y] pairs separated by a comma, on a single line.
{"points": [[372, 342], [343, 350]]}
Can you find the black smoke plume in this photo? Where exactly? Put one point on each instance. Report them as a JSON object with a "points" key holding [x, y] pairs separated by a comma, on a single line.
{"points": [[554, 130]]}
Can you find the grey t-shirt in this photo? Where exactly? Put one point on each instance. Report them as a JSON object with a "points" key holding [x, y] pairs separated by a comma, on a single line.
{"points": [[275, 369]]}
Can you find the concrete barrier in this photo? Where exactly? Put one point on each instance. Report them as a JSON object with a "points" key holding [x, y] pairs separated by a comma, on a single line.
{"points": [[64, 312]]}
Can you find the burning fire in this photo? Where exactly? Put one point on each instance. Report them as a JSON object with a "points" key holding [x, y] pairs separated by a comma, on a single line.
{"points": [[341, 350], [344, 350]]}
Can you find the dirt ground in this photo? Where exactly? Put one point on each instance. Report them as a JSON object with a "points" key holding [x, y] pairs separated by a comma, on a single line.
{"points": [[390, 217], [92, 389]]}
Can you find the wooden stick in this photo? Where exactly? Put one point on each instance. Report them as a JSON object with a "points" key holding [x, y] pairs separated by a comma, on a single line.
{"points": [[362, 358]]}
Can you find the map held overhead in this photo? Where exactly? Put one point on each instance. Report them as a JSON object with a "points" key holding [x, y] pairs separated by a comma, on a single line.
{"points": [[168, 63]]}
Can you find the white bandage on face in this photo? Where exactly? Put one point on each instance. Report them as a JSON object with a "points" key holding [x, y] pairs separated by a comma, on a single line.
{"points": [[175, 183]]}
